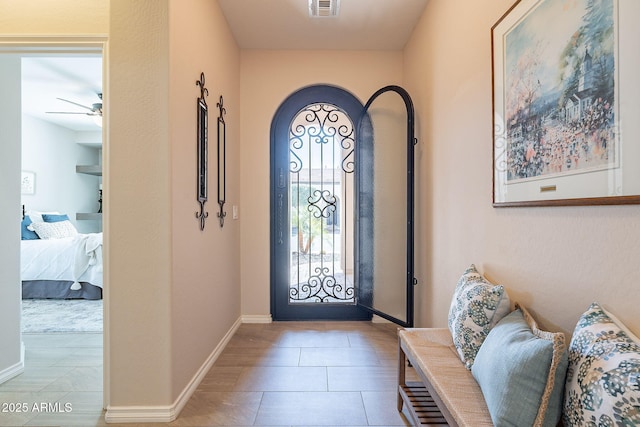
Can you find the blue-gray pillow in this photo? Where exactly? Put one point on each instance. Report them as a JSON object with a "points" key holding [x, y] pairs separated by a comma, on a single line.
{"points": [[54, 218], [603, 380], [25, 233], [521, 371]]}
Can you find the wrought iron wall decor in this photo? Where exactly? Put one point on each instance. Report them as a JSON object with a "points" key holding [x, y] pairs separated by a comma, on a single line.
{"points": [[202, 151], [222, 165]]}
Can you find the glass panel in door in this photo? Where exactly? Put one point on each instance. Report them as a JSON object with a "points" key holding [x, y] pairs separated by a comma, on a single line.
{"points": [[385, 206]]}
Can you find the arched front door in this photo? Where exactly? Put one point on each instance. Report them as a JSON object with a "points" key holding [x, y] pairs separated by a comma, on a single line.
{"points": [[321, 211]]}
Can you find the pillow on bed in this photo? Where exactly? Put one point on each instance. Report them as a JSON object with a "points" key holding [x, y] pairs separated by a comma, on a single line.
{"points": [[54, 230], [54, 217], [36, 216], [27, 234]]}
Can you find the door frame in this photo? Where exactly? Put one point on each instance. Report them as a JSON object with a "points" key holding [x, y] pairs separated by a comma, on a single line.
{"points": [[56, 45], [279, 191]]}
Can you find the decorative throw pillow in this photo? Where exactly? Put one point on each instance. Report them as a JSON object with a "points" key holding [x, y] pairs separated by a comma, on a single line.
{"points": [[26, 233], [476, 307], [54, 218], [603, 379], [36, 216], [54, 230], [521, 371]]}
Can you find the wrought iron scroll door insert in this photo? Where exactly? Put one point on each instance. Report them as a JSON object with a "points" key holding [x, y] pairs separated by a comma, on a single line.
{"points": [[321, 166]]}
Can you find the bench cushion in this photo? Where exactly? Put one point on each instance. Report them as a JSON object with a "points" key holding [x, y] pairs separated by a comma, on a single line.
{"points": [[432, 352]]}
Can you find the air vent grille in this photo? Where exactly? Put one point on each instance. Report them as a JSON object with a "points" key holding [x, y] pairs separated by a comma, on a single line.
{"points": [[323, 8]]}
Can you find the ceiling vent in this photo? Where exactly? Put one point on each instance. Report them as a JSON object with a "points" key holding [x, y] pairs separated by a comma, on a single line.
{"points": [[323, 8]]}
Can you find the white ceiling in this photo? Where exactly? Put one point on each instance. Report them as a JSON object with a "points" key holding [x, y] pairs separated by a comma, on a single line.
{"points": [[285, 24], [256, 24], [77, 79]]}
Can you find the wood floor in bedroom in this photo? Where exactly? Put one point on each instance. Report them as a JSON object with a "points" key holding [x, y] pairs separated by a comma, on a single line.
{"points": [[277, 374]]}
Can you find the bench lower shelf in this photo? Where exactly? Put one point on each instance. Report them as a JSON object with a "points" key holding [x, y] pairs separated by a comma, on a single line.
{"points": [[420, 404]]}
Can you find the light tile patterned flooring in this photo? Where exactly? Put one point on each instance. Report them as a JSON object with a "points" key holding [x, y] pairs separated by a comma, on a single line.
{"points": [[59, 368], [278, 374]]}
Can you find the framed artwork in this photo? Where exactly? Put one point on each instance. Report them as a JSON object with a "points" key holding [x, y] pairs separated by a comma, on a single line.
{"points": [[566, 109], [28, 183]]}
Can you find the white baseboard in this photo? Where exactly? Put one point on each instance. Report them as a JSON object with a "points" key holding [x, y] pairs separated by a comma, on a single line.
{"points": [[166, 414], [140, 414], [13, 370], [256, 318]]}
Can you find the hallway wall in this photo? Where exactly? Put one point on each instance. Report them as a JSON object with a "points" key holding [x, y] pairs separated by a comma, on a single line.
{"points": [[205, 297], [555, 260], [175, 288]]}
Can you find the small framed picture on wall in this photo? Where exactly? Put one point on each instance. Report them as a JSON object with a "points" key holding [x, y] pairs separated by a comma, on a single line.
{"points": [[28, 183]]}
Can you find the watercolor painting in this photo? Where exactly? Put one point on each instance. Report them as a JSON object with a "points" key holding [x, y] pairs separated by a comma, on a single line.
{"points": [[559, 90]]}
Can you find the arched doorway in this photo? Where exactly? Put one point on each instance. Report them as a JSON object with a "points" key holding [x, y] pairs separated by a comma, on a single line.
{"points": [[312, 164], [333, 158]]}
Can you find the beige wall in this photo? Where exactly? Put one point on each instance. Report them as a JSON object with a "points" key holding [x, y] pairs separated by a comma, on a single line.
{"points": [[41, 17], [174, 288], [554, 260], [137, 204], [267, 78], [205, 296]]}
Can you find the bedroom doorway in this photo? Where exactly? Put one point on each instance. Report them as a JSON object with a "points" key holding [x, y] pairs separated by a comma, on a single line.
{"points": [[50, 353], [61, 98]]}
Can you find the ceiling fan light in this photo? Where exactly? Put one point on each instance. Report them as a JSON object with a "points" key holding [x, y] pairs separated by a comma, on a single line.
{"points": [[97, 120]]}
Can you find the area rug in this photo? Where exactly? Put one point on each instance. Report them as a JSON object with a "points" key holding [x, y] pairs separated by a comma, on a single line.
{"points": [[50, 315]]}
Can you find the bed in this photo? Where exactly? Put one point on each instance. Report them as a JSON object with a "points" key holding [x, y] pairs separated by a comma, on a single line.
{"points": [[58, 262]]}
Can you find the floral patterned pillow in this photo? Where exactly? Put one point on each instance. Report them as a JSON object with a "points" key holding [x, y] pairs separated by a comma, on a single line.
{"points": [[603, 379], [476, 307]]}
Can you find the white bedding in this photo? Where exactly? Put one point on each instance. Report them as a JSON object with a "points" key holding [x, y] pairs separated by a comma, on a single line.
{"points": [[76, 259]]}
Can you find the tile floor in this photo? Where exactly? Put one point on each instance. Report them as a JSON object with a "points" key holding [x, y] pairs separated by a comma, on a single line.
{"points": [[60, 368], [277, 374]]}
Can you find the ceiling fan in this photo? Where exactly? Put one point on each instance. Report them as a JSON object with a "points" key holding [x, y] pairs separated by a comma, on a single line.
{"points": [[94, 110]]}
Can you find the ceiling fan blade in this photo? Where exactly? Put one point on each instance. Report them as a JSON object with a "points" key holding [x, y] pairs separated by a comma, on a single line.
{"points": [[69, 112], [75, 103]]}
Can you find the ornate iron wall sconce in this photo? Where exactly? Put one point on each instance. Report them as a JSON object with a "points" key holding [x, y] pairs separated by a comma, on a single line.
{"points": [[222, 165], [202, 151]]}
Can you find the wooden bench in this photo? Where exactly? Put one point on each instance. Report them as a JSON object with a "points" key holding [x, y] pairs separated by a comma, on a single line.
{"points": [[447, 392]]}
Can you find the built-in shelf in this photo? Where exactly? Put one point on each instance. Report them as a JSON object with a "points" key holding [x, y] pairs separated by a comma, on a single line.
{"points": [[89, 169], [91, 216]]}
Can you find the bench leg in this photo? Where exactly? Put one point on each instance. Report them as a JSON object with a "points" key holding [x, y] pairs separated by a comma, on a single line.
{"points": [[402, 363]]}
